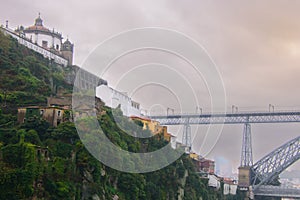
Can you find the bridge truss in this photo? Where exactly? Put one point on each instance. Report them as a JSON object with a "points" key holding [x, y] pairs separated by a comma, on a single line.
{"points": [[235, 118], [269, 167], [246, 118], [265, 170]]}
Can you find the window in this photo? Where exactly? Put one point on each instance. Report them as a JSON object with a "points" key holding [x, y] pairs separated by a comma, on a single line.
{"points": [[57, 47], [41, 112], [45, 44], [58, 113]]}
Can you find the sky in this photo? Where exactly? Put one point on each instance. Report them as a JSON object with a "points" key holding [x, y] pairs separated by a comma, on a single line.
{"points": [[254, 44]]}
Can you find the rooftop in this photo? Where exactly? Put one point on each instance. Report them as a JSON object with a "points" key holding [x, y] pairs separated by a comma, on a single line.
{"points": [[38, 26]]}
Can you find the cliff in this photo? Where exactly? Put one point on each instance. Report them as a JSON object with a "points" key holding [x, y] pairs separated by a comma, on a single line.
{"points": [[38, 161]]}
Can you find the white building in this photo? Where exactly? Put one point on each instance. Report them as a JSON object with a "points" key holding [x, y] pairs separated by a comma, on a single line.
{"points": [[213, 181], [233, 189], [112, 98], [42, 36], [173, 141], [226, 188], [45, 41], [229, 187]]}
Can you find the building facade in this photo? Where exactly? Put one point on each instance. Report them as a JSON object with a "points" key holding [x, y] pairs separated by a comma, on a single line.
{"points": [[41, 39], [42, 36], [53, 115], [113, 98], [153, 126], [205, 165]]}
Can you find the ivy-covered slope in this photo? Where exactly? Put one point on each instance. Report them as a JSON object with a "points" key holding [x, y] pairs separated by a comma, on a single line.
{"points": [[38, 161], [26, 77]]}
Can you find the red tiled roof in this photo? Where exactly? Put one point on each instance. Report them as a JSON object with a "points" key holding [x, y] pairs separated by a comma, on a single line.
{"points": [[37, 28], [141, 118]]}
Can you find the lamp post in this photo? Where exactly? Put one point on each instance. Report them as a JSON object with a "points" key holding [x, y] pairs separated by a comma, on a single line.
{"points": [[271, 108], [200, 109], [171, 110], [234, 109]]}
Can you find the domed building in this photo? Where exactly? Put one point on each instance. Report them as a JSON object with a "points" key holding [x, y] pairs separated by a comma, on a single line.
{"points": [[42, 36], [47, 39]]}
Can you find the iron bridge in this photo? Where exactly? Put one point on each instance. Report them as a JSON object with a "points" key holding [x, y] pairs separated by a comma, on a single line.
{"points": [[232, 118]]}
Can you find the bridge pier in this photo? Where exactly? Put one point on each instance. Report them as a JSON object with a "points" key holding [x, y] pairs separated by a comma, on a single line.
{"points": [[251, 176], [244, 175], [186, 137], [246, 157]]}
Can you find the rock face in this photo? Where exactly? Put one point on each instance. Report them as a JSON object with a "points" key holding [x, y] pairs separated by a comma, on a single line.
{"points": [[88, 180], [182, 185]]}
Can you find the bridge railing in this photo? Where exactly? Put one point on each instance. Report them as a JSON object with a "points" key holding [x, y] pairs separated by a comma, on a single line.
{"points": [[185, 114]]}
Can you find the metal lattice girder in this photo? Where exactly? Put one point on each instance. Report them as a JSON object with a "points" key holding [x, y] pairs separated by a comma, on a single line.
{"points": [[186, 137], [270, 166], [246, 157], [236, 118]]}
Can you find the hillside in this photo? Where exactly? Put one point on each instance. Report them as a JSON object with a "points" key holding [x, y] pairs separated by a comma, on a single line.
{"points": [[26, 77], [38, 161]]}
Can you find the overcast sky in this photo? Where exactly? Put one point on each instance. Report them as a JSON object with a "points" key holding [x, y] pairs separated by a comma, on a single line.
{"points": [[255, 45]]}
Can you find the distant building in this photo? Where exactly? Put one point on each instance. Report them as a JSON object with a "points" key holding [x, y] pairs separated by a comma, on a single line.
{"points": [[194, 156], [153, 126], [147, 123], [173, 141], [53, 115], [164, 131], [205, 166], [113, 98], [214, 181], [230, 187], [41, 39], [61, 101]]}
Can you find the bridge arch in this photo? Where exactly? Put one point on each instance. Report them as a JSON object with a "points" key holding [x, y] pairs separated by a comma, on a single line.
{"points": [[269, 167]]}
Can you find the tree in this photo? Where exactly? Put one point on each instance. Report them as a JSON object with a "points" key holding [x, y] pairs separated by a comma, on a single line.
{"points": [[33, 137]]}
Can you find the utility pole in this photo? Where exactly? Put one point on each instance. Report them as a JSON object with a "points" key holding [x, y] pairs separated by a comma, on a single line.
{"points": [[171, 110], [200, 109], [271, 108], [234, 109]]}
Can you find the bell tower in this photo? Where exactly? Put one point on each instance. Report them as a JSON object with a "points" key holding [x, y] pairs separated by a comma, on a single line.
{"points": [[67, 51]]}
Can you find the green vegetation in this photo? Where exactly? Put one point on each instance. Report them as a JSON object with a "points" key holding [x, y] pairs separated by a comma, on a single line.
{"points": [[43, 162], [26, 77]]}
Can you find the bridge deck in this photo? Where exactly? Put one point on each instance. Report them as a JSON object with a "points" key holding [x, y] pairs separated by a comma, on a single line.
{"points": [[232, 118], [277, 191]]}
